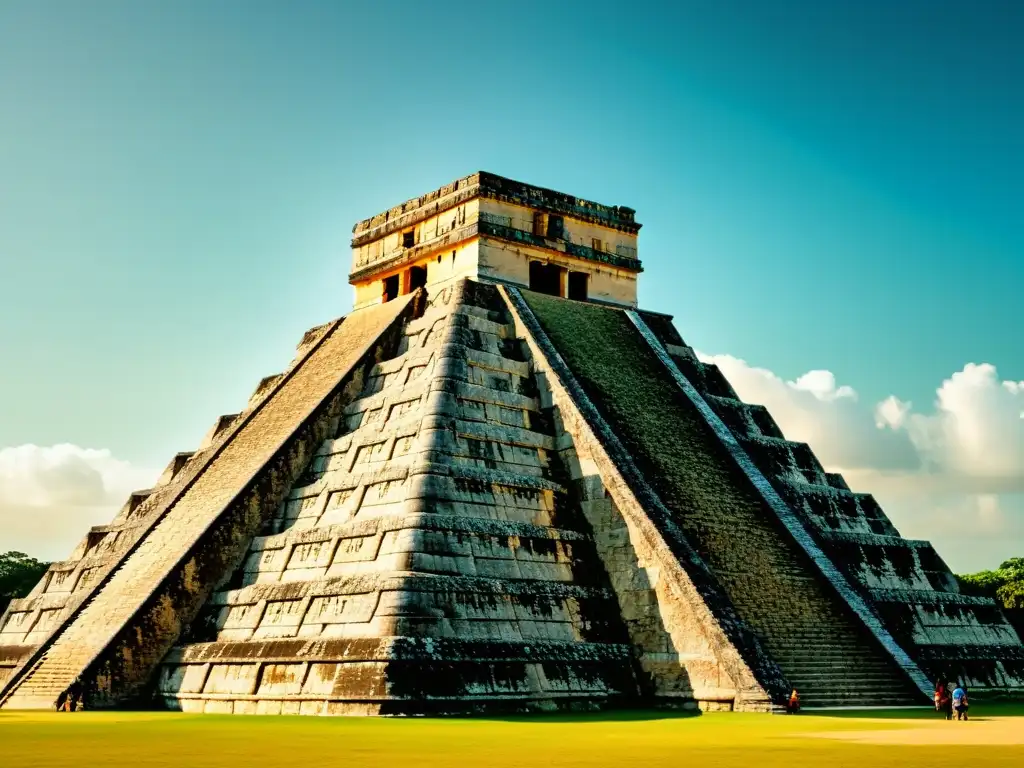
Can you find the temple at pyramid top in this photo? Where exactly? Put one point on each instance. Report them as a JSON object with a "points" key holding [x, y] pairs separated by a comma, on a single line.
{"points": [[494, 229]]}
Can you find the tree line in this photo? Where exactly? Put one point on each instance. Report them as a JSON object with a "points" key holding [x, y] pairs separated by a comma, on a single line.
{"points": [[1005, 585], [18, 574]]}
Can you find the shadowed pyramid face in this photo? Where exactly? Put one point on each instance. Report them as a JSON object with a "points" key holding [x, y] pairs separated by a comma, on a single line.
{"points": [[430, 556]]}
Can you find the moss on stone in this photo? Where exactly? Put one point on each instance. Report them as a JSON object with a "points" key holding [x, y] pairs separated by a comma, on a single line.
{"points": [[769, 579]]}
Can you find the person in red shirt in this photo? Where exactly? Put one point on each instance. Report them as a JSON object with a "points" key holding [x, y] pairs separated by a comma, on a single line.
{"points": [[793, 705]]}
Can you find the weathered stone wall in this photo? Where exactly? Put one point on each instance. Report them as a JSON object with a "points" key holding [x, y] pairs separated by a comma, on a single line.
{"points": [[581, 232], [429, 560], [505, 261], [115, 637], [69, 583], [482, 227], [821, 644], [492, 187], [693, 648], [909, 586]]}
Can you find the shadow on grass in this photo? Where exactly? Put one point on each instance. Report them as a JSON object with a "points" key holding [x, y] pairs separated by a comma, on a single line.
{"points": [[609, 716]]}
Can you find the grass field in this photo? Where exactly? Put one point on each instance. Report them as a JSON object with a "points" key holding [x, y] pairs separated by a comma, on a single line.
{"points": [[994, 737]]}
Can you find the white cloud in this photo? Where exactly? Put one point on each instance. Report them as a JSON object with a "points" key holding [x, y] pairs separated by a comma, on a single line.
{"points": [[976, 430], [815, 410], [51, 495], [892, 412], [953, 473]]}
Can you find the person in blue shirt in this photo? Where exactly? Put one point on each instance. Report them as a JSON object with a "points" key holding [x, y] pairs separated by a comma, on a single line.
{"points": [[960, 702]]}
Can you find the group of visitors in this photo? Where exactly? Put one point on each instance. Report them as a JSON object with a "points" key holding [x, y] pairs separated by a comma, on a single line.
{"points": [[71, 699], [950, 698]]}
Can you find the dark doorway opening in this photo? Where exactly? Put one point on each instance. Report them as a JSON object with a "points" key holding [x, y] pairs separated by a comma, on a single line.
{"points": [[556, 227], [417, 278], [391, 287], [546, 278], [578, 286]]}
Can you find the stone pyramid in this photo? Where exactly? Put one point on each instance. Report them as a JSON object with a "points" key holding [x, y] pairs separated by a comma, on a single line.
{"points": [[466, 496]]}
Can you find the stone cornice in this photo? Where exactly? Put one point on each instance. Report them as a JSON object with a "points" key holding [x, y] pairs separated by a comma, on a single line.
{"points": [[509, 191], [488, 229], [494, 187], [409, 213], [513, 235], [408, 255]]}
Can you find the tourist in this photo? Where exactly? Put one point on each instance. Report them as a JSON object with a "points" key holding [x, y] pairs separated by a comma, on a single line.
{"points": [[946, 702], [74, 695], [793, 705], [960, 702]]}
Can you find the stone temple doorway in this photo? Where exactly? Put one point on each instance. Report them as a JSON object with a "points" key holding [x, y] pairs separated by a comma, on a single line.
{"points": [[547, 278], [390, 288], [417, 278]]}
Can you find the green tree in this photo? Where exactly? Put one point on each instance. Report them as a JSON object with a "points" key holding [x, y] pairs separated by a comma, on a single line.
{"points": [[1005, 585], [18, 574]]}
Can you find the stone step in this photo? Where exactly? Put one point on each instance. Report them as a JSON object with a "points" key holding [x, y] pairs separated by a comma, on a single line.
{"points": [[888, 701], [830, 669], [824, 643], [809, 671], [811, 693], [823, 654], [827, 646], [820, 691], [826, 683], [30, 702], [832, 657]]}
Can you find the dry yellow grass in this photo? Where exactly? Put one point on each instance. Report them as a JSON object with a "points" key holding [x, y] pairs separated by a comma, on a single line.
{"points": [[995, 737]]}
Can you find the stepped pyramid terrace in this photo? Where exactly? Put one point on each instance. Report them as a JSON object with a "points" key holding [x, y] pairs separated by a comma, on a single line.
{"points": [[498, 485]]}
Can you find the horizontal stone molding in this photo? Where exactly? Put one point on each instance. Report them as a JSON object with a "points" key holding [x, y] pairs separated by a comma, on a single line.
{"points": [[984, 652], [873, 539], [418, 521], [359, 585], [494, 187], [513, 235], [398, 649], [926, 597], [481, 228]]}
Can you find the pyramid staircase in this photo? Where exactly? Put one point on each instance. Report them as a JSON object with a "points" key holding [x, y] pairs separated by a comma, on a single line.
{"points": [[115, 632], [950, 635], [803, 615]]}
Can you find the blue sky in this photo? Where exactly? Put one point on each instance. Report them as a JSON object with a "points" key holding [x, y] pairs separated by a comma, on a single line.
{"points": [[822, 185]]}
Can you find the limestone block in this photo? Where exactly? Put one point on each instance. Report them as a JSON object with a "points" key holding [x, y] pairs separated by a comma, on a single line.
{"points": [[183, 678], [231, 678], [219, 707], [281, 679]]}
